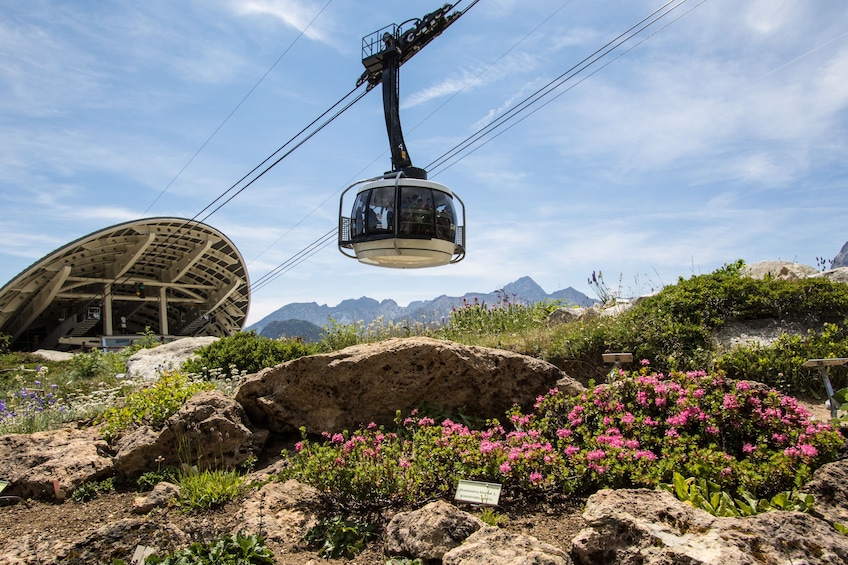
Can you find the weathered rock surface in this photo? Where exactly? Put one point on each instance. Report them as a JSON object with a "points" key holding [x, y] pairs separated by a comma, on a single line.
{"points": [[841, 259], [652, 527], [829, 486], [565, 315], [489, 546], [210, 430], [53, 463], [366, 383], [119, 539], [283, 512], [834, 275], [159, 497], [429, 532], [52, 355], [150, 363], [761, 332], [780, 270]]}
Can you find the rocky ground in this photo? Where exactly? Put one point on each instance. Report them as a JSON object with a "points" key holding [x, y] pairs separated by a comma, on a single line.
{"points": [[36, 532], [103, 529]]}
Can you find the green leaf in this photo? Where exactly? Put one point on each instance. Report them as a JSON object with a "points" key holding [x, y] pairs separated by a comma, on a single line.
{"points": [[781, 501], [681, 487], [745, 508]]}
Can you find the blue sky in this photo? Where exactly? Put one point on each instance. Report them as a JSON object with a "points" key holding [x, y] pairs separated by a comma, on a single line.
{"points": [[722, 136]]}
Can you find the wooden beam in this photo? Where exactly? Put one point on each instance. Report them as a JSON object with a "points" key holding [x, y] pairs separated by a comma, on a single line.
{"points": [[39, 302], [129, 257]]}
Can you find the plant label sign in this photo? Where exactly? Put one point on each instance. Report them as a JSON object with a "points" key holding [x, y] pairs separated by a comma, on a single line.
{"points": [[476, 492]]}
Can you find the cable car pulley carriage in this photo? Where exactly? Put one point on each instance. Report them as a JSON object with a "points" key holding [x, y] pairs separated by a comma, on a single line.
{"points": [[401, 219]]}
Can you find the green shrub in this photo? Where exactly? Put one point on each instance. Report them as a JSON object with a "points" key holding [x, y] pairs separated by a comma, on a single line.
{"points": [[94, 365], [337, 538], [336, 336], [245, 352], [231, 549], [780, 364], [634, 433], [674, 328], [492, 517], [148, 340], [152, 405], [90, 490], [204, 490], [713, 299], [505, 316], [148, 480], [841, 398], [708, 496]]}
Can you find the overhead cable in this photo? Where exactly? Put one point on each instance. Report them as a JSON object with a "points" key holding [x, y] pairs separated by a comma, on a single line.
{"points": [[557, 82], [462, 149], [234, 110]]}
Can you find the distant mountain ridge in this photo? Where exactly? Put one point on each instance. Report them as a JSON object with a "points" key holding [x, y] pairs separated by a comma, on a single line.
{"points": [[524, 290]]}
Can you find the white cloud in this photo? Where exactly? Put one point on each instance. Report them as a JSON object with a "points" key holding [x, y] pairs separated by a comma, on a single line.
{"points": [[296, 14], [768, 16], [471, 79]]}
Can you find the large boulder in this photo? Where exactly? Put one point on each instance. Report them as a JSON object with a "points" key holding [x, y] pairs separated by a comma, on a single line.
{"points": [[780, 270], [429, 532], [210, 430], [53, 463], [369, 383], [150, 363], [652, 527], [839, 274]]}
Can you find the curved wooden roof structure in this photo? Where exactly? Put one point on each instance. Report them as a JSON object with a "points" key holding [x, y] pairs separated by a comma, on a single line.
{"points": [[174, 276]]}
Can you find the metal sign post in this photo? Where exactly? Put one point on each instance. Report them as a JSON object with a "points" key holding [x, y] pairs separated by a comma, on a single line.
{"points": [[823, 364]]}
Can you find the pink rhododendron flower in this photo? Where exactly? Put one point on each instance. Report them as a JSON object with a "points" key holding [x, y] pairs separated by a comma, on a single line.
{"points": [[730, 402], [505, 468], [596, 454], [536, 477], [808, 450]]}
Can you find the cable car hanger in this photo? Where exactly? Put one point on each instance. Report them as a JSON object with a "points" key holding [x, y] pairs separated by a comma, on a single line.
{"points": [[402, 220]]}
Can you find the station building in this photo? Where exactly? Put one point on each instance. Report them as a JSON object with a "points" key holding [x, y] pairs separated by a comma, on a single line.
{"points": [[173, 276]]}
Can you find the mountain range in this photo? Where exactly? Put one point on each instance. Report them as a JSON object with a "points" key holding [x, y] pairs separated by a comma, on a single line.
{"points": [[305, 319]]}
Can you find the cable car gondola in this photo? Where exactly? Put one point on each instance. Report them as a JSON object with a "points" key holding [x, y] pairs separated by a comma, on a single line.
{"points": [[401, 220]]}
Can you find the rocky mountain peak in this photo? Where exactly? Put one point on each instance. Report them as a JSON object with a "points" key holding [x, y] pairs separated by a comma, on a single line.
{"points": [[524, 290]]}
